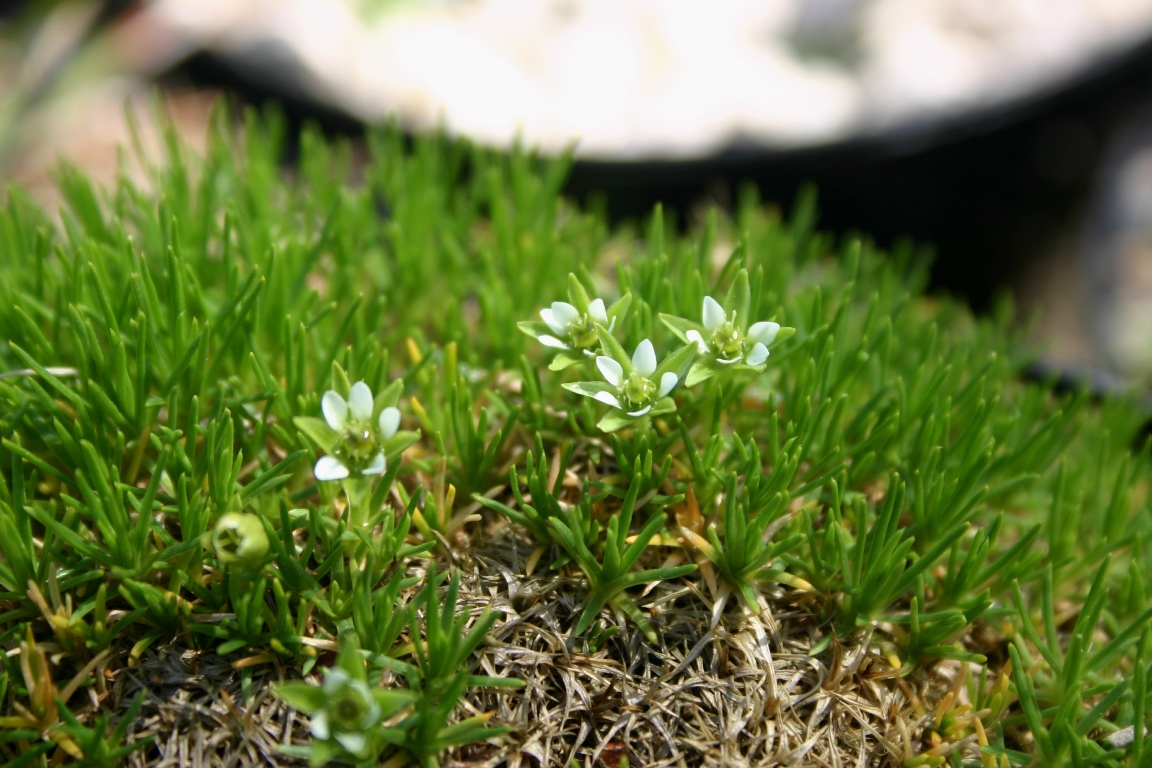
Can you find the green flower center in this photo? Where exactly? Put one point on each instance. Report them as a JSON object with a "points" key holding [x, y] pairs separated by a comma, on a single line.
{"points": [[638, 390], [357, 445], [582, 333], [228, 541], [728, 341], [348, 711]]}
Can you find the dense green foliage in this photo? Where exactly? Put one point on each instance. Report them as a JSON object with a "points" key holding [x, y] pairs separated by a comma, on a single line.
{"points": [[169, 342]]}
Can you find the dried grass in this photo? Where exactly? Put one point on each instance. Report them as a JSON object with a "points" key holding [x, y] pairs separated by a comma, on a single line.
{"points": [[741, 692]]}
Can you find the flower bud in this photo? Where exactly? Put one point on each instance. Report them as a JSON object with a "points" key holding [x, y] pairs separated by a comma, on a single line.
{"points": [[239, 539]]}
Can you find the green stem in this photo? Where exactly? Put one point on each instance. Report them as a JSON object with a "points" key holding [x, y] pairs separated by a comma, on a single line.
{"points": [[358, 490], [715, 399], [641, 434]]}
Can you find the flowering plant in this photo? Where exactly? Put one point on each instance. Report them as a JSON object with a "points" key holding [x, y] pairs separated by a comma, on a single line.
{"points": [[724, 338], [357, 433], [347, 714], [635, 387], [570, 326]]}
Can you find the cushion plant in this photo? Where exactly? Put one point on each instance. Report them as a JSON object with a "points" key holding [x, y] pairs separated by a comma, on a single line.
{"points": [[596, 437]]}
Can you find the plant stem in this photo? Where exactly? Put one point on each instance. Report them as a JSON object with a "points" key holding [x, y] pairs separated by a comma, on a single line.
{"points": [[358, 490]]}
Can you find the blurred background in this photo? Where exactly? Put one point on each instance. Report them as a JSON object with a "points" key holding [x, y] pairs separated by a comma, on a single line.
{"points": [[1013, 136]]}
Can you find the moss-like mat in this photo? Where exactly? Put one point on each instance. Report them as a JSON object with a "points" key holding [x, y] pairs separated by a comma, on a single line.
{"points": [[875, 546]]}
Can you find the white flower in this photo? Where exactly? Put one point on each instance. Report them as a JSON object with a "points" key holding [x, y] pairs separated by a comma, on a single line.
{"points": [[636, 390], [361, 445], [727, 341], [572, 329], [349, 712]]}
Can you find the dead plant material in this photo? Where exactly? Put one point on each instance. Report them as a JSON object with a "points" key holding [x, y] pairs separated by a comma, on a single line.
{"points": [[743, 693]]}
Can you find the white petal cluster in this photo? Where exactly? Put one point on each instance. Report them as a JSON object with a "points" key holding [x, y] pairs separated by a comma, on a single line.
{"points": [[573, 330], [361, 442], [727, 341], [636, 390], [350, 711]]}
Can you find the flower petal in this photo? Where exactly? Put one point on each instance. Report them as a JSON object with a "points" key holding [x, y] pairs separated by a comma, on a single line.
{"points": [[694, 335], [613, 372], [730, 360], [389, 422], [758, 354], [640, 412], [607, 398], [335, 410], [597, 312], [320, 726], [667, 381], [360, 401], [565, 314], [551, 341], [590, 388], [335, 680], [376, 467], [330, 468], [551, 321], [371, 707], [713, 313], [644, 359], [764, 333], [353, 742]]}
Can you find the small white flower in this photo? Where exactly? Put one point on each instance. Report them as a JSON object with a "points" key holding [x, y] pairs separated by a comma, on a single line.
{"points": [[727, 341], [635, 391], [361, 445], [573, 330], [349, 712]]}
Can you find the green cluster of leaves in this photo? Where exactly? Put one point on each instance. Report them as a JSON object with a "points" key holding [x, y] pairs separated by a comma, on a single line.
{"points": [[164, 371], [755, 507], [610, 573], [411, 721]]}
